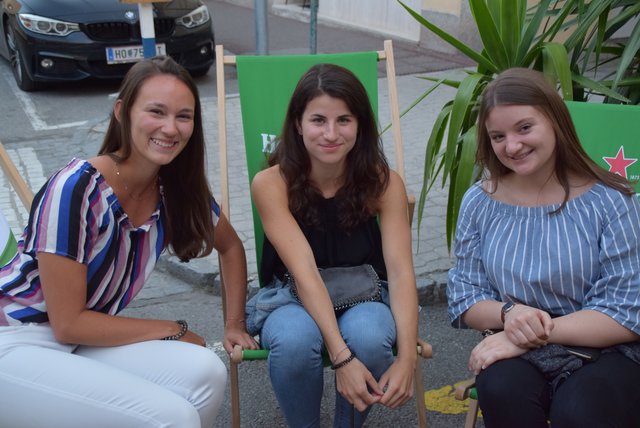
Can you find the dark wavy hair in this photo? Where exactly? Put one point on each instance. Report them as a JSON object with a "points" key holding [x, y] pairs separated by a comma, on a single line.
{"points": [[187, 198], [523, 86], [366, 172]]}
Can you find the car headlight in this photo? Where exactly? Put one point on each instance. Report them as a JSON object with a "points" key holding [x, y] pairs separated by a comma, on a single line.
{"points": [[48, 26], [194, 18]]}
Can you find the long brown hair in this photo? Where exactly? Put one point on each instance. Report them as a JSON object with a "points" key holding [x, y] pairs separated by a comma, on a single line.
{"points": [[187, 199], [523, 86], [366, 172]]}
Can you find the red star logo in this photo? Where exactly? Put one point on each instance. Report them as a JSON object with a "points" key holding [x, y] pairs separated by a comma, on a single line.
{"points": [[619, 164]]}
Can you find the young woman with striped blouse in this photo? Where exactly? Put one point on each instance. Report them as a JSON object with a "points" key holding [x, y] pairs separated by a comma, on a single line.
{"points": [[95, 232]]}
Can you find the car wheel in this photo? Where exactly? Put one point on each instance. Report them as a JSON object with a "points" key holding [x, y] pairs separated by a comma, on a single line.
{"points": [[23, 79]]}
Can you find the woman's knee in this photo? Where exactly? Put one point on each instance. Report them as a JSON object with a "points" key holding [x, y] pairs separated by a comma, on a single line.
{"points": [[368, 328], [601, 393], [513, 390], [290, 333], [204, 373]]}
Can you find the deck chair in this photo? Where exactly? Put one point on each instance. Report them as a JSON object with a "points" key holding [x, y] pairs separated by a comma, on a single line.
{"points": [[264, 101], [8, 244], [610, 134]]}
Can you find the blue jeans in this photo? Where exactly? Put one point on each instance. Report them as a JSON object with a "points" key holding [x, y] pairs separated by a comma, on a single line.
{"points": [[295, 360]]}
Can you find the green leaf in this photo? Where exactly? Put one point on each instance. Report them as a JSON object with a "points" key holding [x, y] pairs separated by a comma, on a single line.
{"points": [[530, 32], [464, 100], [558, 22], [493, 44], [586, 22], [511, 24], [464, 178], [433, 148], [446, 82], [599, 87], [556, 65], [619, 20], [629, 54], [469, 52], [415, 102]]}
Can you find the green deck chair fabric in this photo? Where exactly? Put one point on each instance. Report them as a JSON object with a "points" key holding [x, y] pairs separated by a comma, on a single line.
{"points": [[8, 245], [266, 84], [610, 134]]}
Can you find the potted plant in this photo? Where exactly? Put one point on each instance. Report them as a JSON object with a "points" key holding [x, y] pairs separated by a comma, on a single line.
{"points": [[514, 36]]}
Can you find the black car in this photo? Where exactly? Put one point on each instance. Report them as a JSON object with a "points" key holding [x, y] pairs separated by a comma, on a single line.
{"points": [[65, 40]]}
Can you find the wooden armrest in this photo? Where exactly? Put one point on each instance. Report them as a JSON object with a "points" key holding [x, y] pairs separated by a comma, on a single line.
{"points": [[425, 350], [462, 390], [236, 354], [239, 355]]}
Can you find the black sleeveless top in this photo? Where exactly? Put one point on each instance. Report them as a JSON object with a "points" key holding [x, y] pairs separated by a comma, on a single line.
{"points": [[331, 245]]}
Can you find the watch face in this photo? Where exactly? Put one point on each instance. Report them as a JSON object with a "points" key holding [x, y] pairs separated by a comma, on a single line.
{"points": [[506, 308]]}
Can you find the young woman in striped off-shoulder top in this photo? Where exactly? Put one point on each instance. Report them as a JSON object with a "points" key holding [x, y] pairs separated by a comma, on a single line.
{"points": [[548, 266]]}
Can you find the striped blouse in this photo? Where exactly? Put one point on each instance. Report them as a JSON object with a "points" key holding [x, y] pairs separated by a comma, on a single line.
{"points": [[77, 215], [587, 256]]}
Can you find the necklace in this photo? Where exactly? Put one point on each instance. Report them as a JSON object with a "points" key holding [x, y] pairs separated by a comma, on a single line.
{"points": [[141, 195]]}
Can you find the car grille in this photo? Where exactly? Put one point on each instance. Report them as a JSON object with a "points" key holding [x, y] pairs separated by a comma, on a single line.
{"points": [[123, 32]]}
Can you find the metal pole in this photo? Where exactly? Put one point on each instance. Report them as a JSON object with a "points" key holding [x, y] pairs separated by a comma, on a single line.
{"points": [[147, 30], [313, 24], [262, 36]]}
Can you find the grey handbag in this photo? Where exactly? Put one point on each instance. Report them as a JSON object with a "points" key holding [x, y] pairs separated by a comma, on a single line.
{"points": [[348, 286]]}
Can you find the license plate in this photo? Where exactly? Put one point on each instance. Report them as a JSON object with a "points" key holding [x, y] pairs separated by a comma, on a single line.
{"points": [[123, 54]]}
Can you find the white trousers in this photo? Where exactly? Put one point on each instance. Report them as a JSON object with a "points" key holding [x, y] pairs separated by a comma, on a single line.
{"points": [[149, 384]]}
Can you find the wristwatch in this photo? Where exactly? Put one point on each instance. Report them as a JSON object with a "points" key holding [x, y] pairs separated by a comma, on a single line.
{"points": [[506, 308]]}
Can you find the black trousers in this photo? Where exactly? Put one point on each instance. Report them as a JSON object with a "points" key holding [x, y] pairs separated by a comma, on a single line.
{"points": [[605, 393]]}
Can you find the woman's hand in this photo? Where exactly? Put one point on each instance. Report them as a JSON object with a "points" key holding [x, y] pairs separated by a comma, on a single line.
{"points": [[397, 383], [493, 348], [236, 334], [357, 385], [528, 327]]}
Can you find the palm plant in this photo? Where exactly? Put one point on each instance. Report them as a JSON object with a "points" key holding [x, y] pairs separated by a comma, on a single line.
{"points": [[514, 36]]}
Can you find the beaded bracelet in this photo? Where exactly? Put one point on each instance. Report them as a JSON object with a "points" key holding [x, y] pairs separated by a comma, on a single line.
{"points": [[183, 330], [344, 362]]}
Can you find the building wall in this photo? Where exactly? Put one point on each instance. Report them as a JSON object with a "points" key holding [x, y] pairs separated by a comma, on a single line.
{"points": [[390, 18], [452, 16], [382, 16]]}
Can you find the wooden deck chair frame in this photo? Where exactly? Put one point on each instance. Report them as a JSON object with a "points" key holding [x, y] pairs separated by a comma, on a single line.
{"points": [[19, 185], [606, 132], [238, 355], [8, 244]]}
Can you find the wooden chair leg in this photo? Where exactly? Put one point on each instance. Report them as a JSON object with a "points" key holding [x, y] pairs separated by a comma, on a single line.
{"points": [[235, 395], [419, 393], [235, 359], [472, 414], [463, 392]]}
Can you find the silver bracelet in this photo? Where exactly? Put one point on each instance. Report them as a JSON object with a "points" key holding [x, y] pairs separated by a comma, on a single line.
{"points": [[183, 330]]}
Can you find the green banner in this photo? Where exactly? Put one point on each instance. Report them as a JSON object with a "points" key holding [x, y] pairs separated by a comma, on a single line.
{"points": [[610, 134], [266, 84]]}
